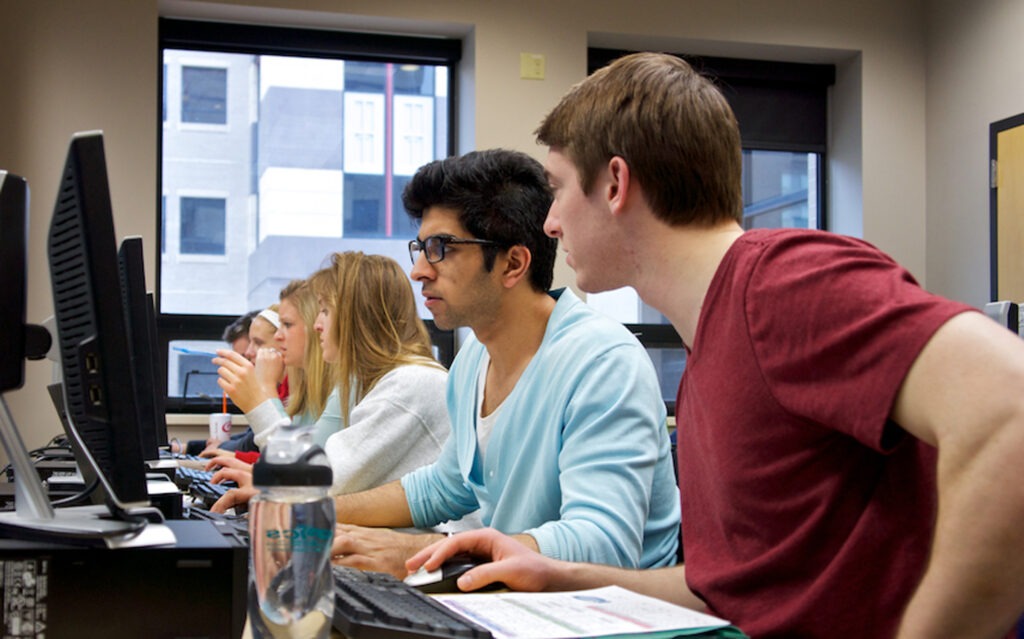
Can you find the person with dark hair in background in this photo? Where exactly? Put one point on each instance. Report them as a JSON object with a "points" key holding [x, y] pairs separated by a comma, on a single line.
{"points": [[237, 332], [262, 328], [244, 335], [558, 426], [849, 443]]}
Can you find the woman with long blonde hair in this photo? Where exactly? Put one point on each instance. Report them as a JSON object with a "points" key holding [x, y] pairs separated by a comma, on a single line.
{"points": [[296, 352], [309, 377], [387, 413], [391, 389]]}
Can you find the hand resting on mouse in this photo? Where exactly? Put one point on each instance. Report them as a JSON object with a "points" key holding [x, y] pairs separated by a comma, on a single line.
{"points": [[496, 559]]}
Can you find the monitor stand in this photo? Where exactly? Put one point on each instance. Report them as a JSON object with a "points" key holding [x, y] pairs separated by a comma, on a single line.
{"points": [[34, 518]]}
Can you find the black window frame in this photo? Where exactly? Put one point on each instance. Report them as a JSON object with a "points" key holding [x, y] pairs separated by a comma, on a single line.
{"points": [[223, 37]]}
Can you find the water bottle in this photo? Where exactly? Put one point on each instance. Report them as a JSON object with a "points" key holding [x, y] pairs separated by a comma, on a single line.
{"points": [[291, 529]]}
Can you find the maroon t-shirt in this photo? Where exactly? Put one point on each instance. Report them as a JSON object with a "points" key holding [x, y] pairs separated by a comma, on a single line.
{"points": [[806, 512]]}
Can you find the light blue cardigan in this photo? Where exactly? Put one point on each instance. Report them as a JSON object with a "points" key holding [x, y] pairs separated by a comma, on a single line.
{"points": [[579, 457]]}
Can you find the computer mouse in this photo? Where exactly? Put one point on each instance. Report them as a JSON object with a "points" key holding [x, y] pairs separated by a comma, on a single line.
{"points": [[444, 578]]}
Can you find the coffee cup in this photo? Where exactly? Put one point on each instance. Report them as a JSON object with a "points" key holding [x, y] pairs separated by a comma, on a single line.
{"points": [[220, 426]]}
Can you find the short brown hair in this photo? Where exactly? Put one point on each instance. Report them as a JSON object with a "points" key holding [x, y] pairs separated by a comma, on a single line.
{"points": [[671, 125]]}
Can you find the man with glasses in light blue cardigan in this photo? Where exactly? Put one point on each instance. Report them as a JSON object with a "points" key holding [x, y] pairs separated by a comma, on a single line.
{"points": [[558, 425]]}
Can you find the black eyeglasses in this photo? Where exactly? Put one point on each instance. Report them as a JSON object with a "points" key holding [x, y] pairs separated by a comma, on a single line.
{"points": [[434, 246]]}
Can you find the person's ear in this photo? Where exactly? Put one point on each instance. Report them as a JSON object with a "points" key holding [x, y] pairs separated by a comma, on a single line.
{"points": [[516, 263], [617, 189]]}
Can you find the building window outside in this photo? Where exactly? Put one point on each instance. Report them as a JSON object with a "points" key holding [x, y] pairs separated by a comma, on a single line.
{"points": [[202, 226], [320, 167], [780, 189], [204, 95]]}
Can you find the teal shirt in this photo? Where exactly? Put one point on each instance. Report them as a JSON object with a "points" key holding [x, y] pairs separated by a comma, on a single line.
{"points": [[579, 457], [272, 411]]}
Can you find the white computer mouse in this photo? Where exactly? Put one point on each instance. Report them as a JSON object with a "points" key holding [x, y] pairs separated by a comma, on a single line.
{"points": [[444, 578]]}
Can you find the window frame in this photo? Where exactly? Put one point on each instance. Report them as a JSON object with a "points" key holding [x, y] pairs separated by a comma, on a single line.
{"points": [[221, 37]]}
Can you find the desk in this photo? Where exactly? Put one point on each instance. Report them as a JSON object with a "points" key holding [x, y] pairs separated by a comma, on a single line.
{"points": [[191, 587]]}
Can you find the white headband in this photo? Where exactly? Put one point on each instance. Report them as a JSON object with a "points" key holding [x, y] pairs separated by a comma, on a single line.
{"points": [[271, 316]]}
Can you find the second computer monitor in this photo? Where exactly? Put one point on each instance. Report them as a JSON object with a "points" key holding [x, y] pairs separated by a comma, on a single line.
{"points": [[140, 317], [92, 336]]}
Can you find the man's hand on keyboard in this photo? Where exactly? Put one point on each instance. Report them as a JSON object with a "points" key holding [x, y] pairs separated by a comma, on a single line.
{"points": [[237, 471], [377, 549], [228, 460], [212, 451]]}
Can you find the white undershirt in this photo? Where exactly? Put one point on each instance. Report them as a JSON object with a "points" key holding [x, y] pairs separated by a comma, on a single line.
{"points": [[484, 425]]}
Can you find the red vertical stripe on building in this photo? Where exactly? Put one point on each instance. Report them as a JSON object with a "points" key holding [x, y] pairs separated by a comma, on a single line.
{"points": [[389, 115]]}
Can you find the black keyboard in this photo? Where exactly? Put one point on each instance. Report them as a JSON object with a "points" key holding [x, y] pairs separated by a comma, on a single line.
{"points": [[373, 605], [233, 527], [208, 492], [183, 476]]}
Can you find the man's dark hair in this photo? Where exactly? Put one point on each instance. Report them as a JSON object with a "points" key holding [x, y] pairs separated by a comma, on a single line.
{"points": [[500, 195], [239, 327]]}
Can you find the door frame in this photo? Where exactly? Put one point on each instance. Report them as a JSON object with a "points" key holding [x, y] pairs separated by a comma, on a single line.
{"points": [[994, 130]]}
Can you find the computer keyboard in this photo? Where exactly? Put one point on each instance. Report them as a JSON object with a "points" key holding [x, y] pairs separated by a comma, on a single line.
{"points": [[197, 481], [183, 476], [233, 527], [207, 492], [372, 605]]}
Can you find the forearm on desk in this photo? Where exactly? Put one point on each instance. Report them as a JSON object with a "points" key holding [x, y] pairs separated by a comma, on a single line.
{"points": [[381, 507]]}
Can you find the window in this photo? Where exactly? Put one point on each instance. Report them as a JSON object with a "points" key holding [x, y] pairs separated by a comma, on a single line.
{"points": [[202, 225], [782, 109], [286, 145], [204, 95], [780, 189]]}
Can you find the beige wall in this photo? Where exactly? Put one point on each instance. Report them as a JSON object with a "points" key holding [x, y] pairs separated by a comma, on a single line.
{"points": [[92, 64], [975, 71]]}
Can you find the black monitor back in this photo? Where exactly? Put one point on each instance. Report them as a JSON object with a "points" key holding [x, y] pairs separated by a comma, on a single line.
{"points": [[159, 377], [13, 276], [92, 336], [140, 318]]}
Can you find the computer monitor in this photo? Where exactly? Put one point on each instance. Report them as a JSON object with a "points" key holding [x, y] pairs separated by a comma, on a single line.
{"points": [[30, 498], [96, 363], [667, 353], [34, 517], [18, 341], [140, 319], [159, 379], [1004, 312]]}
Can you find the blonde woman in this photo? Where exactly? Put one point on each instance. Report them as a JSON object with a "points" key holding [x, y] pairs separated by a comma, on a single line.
{"points": [[296, 353], [388, 402], [391, 389]]}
